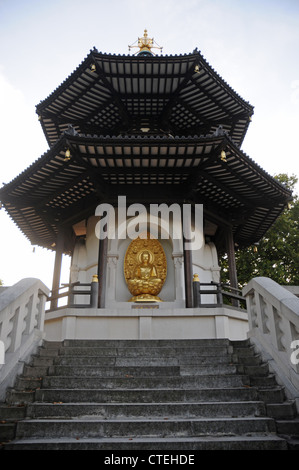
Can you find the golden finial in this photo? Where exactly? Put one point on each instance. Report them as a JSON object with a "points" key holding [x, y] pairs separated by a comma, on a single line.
{"points": [[145, 45]]}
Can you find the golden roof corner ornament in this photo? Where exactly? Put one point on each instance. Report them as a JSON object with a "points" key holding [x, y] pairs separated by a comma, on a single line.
{"points": [[145, 45]]}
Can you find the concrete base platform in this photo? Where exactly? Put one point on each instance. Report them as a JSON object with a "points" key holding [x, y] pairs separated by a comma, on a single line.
{"points": [[146, 321]]}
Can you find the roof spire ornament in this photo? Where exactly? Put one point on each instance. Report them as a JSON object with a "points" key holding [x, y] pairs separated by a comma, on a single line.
{"points": [[145, 45]]}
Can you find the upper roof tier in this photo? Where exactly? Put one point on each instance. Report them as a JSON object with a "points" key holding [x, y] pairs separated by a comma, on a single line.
{"points": [[176, 95]]}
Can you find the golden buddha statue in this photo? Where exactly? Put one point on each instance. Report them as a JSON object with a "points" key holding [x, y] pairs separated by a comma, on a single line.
{"points": [[145, 269]]}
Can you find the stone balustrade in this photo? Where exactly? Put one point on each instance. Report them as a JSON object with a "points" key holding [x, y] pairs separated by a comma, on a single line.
{"points": [[22, 312], [273, 314]]}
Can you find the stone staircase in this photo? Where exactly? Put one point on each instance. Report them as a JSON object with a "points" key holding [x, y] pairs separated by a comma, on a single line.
{"points": [[147, 395]]}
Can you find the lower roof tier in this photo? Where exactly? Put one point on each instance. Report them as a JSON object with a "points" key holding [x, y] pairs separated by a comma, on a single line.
{"points": [[56, 192]]}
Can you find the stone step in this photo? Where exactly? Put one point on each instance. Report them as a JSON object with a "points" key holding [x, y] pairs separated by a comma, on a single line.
{"points": [[151, 410], [261, 382], [48, 352], [7, 430], [240, 343], [9, 415], [141, 351], [142, 361], [288, 427], [250, 360], [135, 361], [40, 428], [41, 361], [274, 394], [20, 397], [293, 444], [52, 344], [138, 371], [183, 444], [261, 370], [285, 410], [149, 394], [187, 382], [28, 383], [132, 360], [11, 412], [35, 371], [144, 343], [170, 382], [101, 371], [115, 347], [244, 351], [145, 395]]}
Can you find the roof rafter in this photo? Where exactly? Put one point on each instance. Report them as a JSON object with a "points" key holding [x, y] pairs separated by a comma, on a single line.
{"points": [[164, 116]]}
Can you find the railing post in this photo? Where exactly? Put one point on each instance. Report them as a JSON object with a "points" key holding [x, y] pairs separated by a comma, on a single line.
{"points": [[102, 270], [219, 294], [94, 291], [187, 253], [71, 296], [15, 334], [57, 268], [41, 310], [232, 269], [196, 291]]}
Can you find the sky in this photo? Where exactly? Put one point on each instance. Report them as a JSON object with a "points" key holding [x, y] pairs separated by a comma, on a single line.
{"points": [[252, 44]]}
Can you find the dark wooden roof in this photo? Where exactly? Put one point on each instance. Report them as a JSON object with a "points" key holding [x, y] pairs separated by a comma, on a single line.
{"points": [[177, 95], [54, 193]]}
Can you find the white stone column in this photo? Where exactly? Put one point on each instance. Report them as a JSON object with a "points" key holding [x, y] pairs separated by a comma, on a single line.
{"points": [[112, 260], [178, 263]]}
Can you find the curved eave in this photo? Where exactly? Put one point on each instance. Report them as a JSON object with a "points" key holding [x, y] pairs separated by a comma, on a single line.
{"points": [[181, 94], [54, 192]]}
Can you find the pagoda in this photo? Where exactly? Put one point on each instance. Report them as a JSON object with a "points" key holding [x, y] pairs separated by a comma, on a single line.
{"points": [[147, 129]]}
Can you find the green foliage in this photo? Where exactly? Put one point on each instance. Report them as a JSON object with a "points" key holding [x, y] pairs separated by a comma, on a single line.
{"points": [[277, 254]]}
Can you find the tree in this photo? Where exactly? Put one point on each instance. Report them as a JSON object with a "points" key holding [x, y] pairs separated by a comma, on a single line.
{"points": [[276, 255]]}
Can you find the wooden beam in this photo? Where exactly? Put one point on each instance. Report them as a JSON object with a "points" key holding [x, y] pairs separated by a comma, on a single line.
{"points": [[188, 269], [166, 112], [188, 277], [57, 268], [232, 268], [102, 270]]}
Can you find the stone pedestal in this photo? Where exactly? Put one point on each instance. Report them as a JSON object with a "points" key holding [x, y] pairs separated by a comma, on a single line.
{"points": [[146, 322]]}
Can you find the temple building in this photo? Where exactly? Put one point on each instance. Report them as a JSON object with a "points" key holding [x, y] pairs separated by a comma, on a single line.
{"points": [[138, 135]]}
